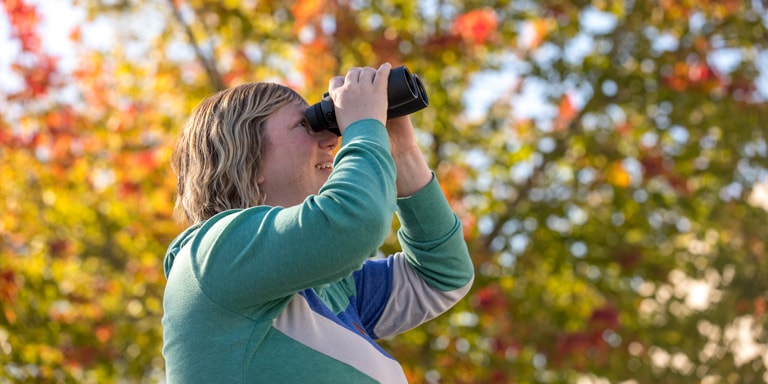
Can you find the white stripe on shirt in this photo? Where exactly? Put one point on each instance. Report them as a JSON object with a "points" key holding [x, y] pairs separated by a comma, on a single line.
{"points": [[299, 322], [412, 301]]}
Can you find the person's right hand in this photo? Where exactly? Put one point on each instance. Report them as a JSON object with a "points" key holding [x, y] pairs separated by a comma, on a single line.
{"points": [[361, 94]]}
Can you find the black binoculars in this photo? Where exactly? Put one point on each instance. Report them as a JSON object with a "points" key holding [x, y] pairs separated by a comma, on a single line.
{"points": [[405, 95]]}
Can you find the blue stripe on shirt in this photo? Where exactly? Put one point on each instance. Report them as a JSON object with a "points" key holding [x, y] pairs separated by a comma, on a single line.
{"points": [[374, 285], [348, 318]]}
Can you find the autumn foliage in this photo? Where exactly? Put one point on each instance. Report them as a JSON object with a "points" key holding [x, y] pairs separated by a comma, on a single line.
{"points": [[607, 161]]}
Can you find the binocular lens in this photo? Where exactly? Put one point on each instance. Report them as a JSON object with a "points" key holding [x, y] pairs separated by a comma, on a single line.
{"points": [[405, 94]]}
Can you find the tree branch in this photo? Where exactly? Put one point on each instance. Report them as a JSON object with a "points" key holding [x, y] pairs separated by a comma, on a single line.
{"points": [[214, 76]]}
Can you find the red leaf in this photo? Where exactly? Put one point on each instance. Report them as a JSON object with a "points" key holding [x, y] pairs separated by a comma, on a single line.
{"points": [[34, 66], [24, 20], [567, 112], [9, 286], [476, 26]]}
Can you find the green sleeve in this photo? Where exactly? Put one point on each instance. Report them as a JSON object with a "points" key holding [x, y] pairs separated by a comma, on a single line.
{"points": [[432, 239], [251, 256]]}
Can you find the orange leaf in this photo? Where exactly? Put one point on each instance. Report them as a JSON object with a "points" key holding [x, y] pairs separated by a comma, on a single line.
{"points": [[567, 109], [476, 26], [535, 33], [618, 175], [304, 10], [567, 112]]}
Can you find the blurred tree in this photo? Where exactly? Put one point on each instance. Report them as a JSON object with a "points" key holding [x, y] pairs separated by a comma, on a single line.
{"points": [[607, 158]]}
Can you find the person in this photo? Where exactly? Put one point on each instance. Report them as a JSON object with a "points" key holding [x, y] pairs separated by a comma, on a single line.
{"points": [[274, 279]]}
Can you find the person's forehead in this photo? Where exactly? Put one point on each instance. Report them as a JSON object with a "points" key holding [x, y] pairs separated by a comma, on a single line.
{"points": [[288, 114], [295, 107], [299, 101]]}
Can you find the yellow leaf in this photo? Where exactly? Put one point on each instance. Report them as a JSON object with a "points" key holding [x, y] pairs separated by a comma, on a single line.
{"points": [[618, 175]]}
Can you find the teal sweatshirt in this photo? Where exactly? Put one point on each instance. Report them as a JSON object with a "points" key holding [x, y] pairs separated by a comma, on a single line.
{"points": [[293, 295]]}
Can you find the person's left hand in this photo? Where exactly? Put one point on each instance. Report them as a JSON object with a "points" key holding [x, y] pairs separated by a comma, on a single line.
{"points": [[402, 138], [412, 170]]}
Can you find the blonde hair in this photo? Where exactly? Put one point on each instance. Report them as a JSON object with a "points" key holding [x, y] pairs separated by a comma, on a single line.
{"points": [[218, 153]]}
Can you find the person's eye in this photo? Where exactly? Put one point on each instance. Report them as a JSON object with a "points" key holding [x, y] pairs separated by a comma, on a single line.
{"points": [[306, 126]]}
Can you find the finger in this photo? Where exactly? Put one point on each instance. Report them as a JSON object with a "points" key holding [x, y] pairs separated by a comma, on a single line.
{"points": [[335, 82], [367, 75], [382, 75], [353, 75]]}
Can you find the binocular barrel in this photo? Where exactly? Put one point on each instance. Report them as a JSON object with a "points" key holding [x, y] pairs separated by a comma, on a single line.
{"points": [[405, 95]]}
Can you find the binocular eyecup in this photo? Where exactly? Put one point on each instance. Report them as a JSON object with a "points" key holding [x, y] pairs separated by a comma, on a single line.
{"points": [[405, 95]]}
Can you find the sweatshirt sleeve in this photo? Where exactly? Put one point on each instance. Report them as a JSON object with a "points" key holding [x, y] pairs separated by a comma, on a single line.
{"points": [[432, 239], [248, 257], [431, 274]]}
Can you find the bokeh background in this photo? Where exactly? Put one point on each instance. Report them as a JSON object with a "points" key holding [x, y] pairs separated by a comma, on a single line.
{"points": [[607, 158]]}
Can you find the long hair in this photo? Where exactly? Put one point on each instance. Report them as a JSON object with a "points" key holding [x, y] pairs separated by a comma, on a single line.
{"points": [[218, 153]]}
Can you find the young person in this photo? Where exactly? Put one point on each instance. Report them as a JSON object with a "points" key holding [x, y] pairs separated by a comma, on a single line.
{"points": [[274, 280]]}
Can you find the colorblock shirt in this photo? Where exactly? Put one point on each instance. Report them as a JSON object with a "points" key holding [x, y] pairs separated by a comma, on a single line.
{"points": [[282, 295]]}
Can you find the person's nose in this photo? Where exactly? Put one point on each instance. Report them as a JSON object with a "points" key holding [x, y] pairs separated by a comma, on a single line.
{"points": [[327, 139]]}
